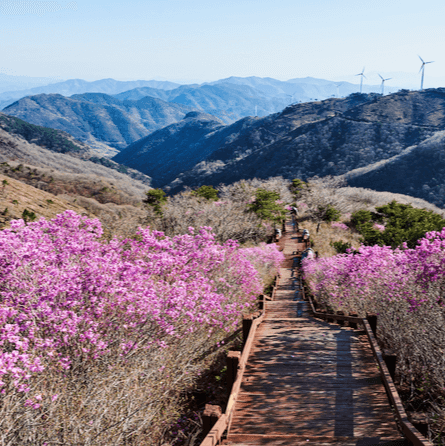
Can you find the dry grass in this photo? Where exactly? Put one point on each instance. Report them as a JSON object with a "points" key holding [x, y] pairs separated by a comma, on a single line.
{"points": [[65, 168], [122, 220], [16, 196], [322, 240]]}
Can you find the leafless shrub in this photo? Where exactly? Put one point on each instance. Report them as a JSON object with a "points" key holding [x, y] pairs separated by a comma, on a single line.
{"points": [[229, 217], [244, 190], [120, 220], [361, 198], [122, 400]]}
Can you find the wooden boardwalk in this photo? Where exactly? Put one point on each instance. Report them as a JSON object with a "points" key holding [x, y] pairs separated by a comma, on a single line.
{"points": [[308, 381]]}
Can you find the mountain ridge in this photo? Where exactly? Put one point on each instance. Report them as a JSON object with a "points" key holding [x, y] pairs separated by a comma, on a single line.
{"points": [[99, 120]]}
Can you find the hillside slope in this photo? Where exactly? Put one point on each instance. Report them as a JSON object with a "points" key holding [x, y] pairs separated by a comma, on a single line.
{"points": [[99, 120], [61, 173], [418, 171], [345, 136], [169, 151], [16, 196], [330, 137]]}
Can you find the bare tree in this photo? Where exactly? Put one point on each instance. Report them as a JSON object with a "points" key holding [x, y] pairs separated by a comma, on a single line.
{"points": [[321, 195]]}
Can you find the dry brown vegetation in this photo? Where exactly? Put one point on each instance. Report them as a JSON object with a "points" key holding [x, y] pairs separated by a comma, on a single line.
{"points": [[68, 169], [229, 217], [16, 196]]}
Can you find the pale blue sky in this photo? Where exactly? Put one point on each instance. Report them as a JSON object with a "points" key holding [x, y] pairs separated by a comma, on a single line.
{"points": [[209, 40]]}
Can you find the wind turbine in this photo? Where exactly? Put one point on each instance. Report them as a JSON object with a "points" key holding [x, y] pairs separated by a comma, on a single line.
{"points": [[383, 83], [422, 69], [338, 91], [361, 79]]}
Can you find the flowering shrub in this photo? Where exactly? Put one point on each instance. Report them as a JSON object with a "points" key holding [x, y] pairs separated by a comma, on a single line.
{"points": [[76, 310], [340, 225], [265, 258], [378, 227], [404, 287]]}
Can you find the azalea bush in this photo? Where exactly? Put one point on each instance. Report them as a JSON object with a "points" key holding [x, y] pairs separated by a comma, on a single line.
{"points": [[99, 338], [406, 288]]}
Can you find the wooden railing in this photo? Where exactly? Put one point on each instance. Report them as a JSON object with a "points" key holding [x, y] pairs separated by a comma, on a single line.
{"points": [[237, 363], [214, 436], [370, 326]]}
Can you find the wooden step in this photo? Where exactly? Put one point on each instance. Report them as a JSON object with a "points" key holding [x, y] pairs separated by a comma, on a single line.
{"points": [[298, 440]]}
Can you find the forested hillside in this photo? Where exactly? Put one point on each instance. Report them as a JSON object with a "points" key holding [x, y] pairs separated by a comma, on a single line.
{"points": [[99, 120], [331, 137]]}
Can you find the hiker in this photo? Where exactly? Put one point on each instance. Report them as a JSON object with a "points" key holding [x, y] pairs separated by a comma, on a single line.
{"points": [[294, 213], [277, 234], [308, 253], [305, 234]]}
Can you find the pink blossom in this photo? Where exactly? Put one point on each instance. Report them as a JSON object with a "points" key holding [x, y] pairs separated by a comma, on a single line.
{"points": [[68, 295]]}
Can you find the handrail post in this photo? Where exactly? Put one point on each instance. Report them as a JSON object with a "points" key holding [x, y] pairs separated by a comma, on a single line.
{"points": [[353, 324], [372, 319], [339, 321], [247, 324], [391, 362], [261, 302], [233, 359], [210, 416]]}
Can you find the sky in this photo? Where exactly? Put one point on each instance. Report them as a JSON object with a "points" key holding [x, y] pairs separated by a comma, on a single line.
{"points": [[205, 40]]}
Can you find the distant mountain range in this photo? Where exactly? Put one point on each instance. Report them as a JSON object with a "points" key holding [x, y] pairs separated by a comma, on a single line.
{"points": [[189, 135], [101, 121], [293, 90], [10, 82], [109, 115], [393, 143], [79, 86]]}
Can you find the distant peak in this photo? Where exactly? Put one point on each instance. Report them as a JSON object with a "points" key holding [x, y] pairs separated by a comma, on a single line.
{"points": [[198, 115]]}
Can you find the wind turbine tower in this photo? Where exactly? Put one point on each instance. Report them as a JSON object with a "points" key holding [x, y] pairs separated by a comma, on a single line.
{"points": [[383, 83], [361, 78], [338, 91], [422, 69]]}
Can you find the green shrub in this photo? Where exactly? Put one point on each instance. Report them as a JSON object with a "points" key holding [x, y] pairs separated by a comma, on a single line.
{"points": [[297, 186], [156, 198], [360, 217], [28, 216], [207, 192], [266, 206], [341, 247], [331, 214], [403, 223]]}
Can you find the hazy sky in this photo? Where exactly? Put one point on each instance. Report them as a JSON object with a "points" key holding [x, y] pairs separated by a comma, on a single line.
{"points": [[209, 40]]}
